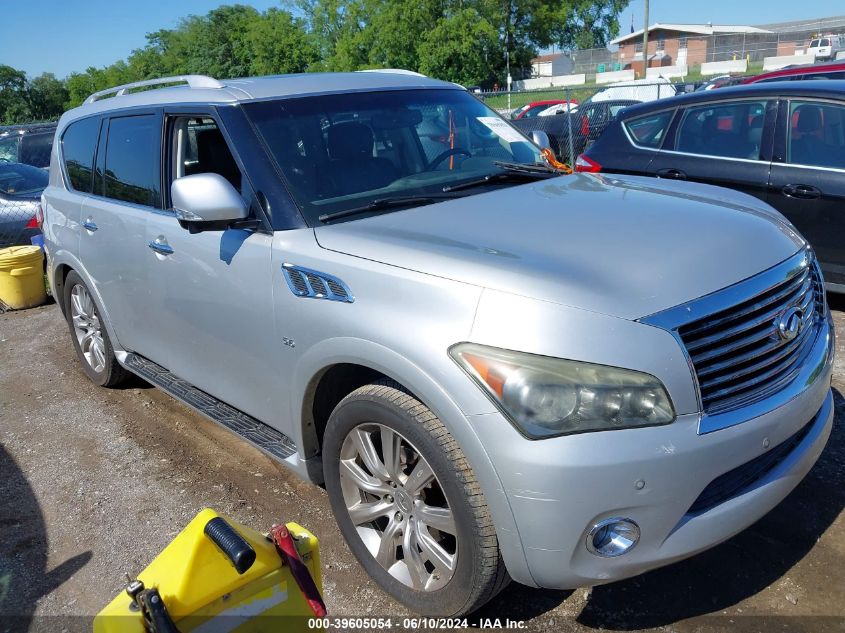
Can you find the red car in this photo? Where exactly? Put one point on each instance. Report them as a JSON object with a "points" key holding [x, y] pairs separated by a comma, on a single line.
{"points": [[536, 107], [828, 70]]}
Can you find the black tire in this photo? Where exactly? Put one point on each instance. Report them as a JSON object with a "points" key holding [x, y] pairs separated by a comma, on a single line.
{"points": [[479, 573], [113, 373]]}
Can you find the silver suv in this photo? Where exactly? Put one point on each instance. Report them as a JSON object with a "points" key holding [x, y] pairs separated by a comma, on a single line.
{"points": [[499, 371]]}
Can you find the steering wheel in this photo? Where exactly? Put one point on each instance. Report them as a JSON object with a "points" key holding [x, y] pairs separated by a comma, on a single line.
{"points": [[455, 151]]}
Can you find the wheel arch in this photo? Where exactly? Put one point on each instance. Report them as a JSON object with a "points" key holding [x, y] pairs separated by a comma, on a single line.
{"points": [[61, 268], [328, 364]]}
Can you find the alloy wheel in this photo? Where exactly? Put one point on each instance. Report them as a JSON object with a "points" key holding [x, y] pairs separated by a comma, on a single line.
{"points": [[87, 328], [398, 507]]}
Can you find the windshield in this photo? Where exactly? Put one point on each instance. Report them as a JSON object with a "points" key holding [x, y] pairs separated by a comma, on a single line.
{"points": [[342, 151], [17, 179]]}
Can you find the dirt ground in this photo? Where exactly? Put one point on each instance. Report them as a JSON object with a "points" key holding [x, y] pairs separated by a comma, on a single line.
{"points": [[94, 482]]}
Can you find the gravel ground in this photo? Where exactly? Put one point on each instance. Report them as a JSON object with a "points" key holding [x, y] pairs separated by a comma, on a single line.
{"points": [[94, 482]]}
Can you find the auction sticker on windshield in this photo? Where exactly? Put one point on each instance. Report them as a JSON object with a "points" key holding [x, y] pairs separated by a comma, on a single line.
{"points": [[501, 129]]}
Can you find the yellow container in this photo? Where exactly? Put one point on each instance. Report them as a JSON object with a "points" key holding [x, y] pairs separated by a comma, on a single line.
{"points": [[22, 277], [202, 591]]}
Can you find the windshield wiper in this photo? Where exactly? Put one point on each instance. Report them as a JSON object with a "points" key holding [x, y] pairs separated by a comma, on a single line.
{"points": [[512, 171], [536, 168], [384, 204]]}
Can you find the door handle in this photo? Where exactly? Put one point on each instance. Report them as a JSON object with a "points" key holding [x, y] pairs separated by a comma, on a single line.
{"points": [[89, 224], [671, 172], [160, 246], [804, 192]]}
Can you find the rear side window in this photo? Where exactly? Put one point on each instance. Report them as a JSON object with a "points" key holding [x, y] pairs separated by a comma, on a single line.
{"points": [[727, 130], [649, 130], [133, 159], [35, 149], [816, 134], [78, 144]]}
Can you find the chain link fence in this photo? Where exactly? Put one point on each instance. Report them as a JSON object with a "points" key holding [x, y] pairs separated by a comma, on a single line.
{"points": [[581, 114], [17, 220]]}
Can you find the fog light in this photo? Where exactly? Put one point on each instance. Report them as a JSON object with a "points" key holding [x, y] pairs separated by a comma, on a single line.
{"points": [[613, 537]]}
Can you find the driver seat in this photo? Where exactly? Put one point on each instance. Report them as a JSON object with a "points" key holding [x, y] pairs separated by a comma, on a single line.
{"points": [[353, 166]]}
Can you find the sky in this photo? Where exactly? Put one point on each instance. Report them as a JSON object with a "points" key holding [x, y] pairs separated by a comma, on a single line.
{"points": [[60, 36]]}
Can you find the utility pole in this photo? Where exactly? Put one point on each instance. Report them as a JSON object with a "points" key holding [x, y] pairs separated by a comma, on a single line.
{"points": [[509, 79], [645, 38]]}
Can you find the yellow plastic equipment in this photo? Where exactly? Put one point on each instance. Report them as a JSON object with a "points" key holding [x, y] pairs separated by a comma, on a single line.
{"points": [[203, 591], [22, 277]]}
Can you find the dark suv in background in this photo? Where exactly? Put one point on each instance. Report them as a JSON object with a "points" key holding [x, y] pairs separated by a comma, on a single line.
{"points": [[781, 142], [24, 160], [28, 144], [585, 123]]}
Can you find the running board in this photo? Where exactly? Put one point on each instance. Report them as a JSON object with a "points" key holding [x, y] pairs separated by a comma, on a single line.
{"points": [[257, 433]]}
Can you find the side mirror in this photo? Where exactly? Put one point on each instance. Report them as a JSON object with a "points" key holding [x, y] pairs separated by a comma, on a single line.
{"points": [[541, 139], [206, 202]]}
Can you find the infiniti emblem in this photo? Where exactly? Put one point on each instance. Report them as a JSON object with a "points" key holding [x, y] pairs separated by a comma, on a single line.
{"points": [[789, 323]]}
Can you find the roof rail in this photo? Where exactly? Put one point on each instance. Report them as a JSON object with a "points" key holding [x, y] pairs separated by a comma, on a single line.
{"points": [[193, 81], [395, 71]]}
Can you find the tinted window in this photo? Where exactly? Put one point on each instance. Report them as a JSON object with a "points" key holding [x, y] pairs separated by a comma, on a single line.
{"points": [[78, 144], [132, 160], [816, 134], [35, 149], [649, 130], [829, 75], [729, 130], [17, 179]]}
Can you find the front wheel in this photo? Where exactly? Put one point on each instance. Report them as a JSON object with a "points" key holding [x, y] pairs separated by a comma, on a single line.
{"points": [[408, 504]]}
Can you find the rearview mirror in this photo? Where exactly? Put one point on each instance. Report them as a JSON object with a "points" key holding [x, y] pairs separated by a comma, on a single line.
{"points": [[541, 139], [206, 202]]}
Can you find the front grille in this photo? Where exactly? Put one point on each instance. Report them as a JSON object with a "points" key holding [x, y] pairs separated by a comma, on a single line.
{"points": [[738, 354], [742, 477]]}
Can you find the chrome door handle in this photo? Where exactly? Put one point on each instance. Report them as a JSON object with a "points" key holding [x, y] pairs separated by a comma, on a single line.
{"points": [[673, 173], [804, 192], [89, 225], [160, 246]]}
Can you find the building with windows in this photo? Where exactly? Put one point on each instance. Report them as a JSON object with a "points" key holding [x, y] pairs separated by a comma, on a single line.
{"points": [[685, 44]]}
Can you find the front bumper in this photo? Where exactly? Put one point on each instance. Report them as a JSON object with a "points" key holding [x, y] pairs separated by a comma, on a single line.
{"points": [[558, 488]]}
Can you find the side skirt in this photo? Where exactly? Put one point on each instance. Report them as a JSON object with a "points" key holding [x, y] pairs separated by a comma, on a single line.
{"points": [[275, 444]]}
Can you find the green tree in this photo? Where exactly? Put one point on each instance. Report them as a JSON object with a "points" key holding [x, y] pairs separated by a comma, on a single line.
{"points": [[47, 96], [459, 48], [279, 44], [14, 105], [397, 29]]}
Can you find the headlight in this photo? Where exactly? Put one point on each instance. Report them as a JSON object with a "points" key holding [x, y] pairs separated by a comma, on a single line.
{"points": [[550, 396]]}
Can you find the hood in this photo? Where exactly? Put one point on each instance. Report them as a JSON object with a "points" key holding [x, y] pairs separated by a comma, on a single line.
{"points": [[622, 246]]}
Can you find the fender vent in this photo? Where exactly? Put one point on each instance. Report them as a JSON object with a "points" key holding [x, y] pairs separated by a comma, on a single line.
{"points": [[304, 282]]}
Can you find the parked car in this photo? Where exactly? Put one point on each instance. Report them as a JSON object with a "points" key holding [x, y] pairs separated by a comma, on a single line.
{"points": [[20, 192], [827, 70], [649, 89], [533, 109], [27, 144], [722, 81], [783, 143], [826, 47], [587, 122], [499, 372]]}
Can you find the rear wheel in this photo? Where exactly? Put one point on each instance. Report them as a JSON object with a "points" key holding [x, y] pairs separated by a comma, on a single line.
{"points": [[90, 338], [408, 503]]}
